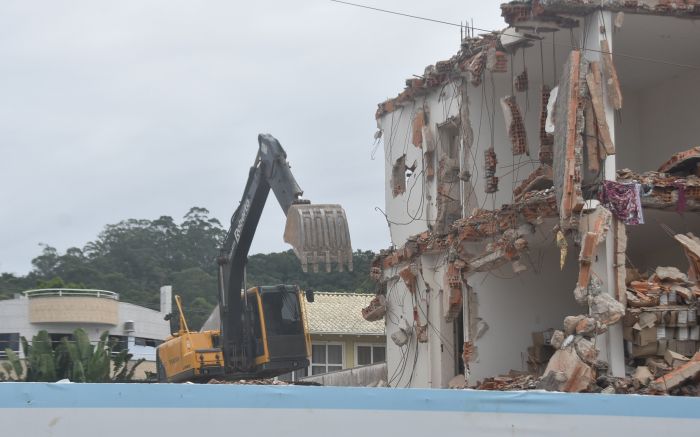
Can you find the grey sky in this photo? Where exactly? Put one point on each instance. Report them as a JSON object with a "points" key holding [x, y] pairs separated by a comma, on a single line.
{"points": [[141, 108]]}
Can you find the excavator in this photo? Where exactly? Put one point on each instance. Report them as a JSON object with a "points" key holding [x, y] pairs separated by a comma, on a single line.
{"points": [[262, 330]]}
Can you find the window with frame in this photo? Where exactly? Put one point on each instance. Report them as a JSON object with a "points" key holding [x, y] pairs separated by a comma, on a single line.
{"points": [[326, 357], [9, 340], [151, 342], [369, 354]]}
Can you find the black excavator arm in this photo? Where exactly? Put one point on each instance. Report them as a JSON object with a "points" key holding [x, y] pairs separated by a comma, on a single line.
{"points": [[270, 170]]}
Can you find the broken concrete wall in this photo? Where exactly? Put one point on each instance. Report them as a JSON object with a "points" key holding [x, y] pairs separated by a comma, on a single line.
{"points": [[514, 307], [407, 208], [511, 170], [429, 355]]}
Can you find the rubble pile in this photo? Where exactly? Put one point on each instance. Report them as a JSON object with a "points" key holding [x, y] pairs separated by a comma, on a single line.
{"points": [[267, 381], [514, 381]]}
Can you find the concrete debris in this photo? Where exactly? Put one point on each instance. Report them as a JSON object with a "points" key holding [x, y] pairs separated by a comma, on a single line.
{"points": [[514, 381], [666, 191], [612, 83], [685, 163], [670, 274], [571, 322], [270, 381], [606, 309], [588, 327], [376, 309], [540, 179], [566, 371], [558, 338], [563, 249], [642, 375], [676, 377], [675, 359], [459, 381], [593, 80], [586, 350]]}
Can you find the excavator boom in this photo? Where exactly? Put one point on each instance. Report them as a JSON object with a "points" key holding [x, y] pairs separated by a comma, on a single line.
{"points": [[262, 330]]}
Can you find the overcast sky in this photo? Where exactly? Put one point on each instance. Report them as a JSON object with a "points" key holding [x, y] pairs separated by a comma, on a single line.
{"points": [[140, 108]]}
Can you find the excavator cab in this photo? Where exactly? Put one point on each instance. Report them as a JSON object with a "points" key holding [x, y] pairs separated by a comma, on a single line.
{"points": [[280, 340], [275, 327]]}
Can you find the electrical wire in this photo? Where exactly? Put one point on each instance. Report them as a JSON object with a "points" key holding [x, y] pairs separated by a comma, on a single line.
{"points": [[532, 38]]}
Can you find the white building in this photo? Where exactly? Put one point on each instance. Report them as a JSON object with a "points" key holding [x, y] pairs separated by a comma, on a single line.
{"points": [[474, 269], [61, 311]]}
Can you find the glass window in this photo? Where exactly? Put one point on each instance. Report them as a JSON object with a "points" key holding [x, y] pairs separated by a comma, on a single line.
{"points": [[282, 313], [335, 354], [326, 358], [378, 354], [318, 353], [119, 343], [370, 354], [364, 355], [11, 341]]}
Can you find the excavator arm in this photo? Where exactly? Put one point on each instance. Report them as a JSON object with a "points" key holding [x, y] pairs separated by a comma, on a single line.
{"points": [[317, 233]]}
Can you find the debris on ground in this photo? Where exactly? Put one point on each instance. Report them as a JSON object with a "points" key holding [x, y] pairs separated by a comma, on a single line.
{"points": [[268, 381]]}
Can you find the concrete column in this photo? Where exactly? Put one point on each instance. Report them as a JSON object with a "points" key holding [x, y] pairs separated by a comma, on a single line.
{"points": [[611, 344], [166, 299]]}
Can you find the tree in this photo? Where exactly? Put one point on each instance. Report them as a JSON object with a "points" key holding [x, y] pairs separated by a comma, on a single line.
{"points": [[135, 257], [75, 358]]}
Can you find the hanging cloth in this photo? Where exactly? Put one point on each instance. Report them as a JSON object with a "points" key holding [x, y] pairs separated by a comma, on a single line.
{"points": [[624, 201]]}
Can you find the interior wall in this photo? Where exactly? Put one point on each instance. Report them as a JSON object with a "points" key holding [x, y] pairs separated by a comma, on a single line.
{"points": [[650, 246], [628, 136], [514, 306], [657, 121], [660, 96]]}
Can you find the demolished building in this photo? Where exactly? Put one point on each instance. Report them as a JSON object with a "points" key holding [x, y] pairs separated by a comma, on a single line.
{"points": [[521, 239]]}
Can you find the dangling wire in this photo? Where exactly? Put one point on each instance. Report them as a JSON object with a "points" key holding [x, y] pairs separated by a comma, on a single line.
{"points": [[542, 61], [512, 76], [527, 90], [554, 57]]}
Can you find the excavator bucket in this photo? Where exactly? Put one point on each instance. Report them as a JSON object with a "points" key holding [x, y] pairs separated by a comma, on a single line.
{"points": [[319, 234]]}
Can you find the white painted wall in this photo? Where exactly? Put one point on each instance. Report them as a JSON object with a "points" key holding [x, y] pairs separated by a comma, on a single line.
{"points": [[660, 120], [14, 317], [515, 306], [434, 365]]}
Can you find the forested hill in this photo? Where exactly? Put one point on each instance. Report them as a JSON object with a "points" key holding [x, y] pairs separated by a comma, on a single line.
{"points": [[135, 257]]}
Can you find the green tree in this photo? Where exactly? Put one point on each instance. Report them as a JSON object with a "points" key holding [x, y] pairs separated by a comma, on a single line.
{"points": [[75, 358], [135, 257]]}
